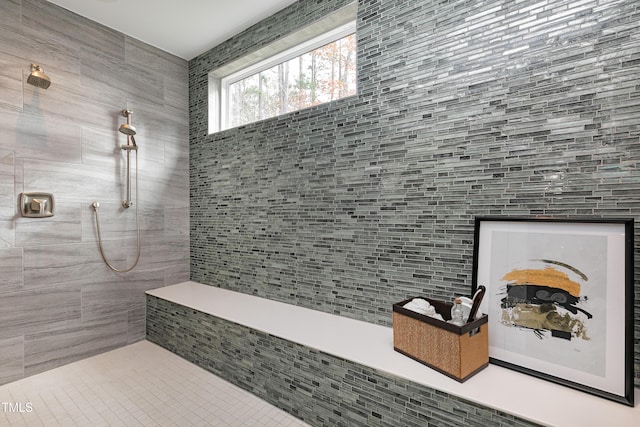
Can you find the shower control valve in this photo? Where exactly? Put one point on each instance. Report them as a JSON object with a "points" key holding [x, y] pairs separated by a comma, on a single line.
{"points": [[36, 205]]}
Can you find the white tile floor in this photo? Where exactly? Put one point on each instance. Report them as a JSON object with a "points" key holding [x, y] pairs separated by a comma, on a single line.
{"points": [[138, 385]]}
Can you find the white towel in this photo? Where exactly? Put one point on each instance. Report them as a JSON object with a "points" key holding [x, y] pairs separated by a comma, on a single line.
{"points": [[422, 306]]}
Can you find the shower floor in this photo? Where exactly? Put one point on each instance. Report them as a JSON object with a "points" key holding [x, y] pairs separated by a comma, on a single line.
{"points": [[138, 385]]}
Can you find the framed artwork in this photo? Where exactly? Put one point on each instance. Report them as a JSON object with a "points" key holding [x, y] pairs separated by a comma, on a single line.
{"points": [[559, 295]]}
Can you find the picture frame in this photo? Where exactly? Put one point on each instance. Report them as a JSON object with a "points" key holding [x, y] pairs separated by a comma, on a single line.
{"points": [[559, 296]]}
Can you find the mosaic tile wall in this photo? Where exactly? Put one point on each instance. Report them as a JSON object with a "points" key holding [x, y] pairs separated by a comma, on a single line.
{"points": [[319, 388], [464, 108]]}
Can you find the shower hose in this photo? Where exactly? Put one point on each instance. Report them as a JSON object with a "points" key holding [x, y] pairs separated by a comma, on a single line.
{"points": [[95, 206]]}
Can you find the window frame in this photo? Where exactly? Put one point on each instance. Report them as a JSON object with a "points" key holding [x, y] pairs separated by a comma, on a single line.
{"points": [[305, 40]]}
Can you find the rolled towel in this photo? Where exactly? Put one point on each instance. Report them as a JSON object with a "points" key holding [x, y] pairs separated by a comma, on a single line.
{"points": [[419, 305], [422, 306]]}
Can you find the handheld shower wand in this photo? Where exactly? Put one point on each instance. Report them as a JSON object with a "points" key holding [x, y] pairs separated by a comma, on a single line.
{"points": [[130, 131]]}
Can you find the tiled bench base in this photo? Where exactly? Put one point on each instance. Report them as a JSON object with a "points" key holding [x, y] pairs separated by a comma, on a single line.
{"points": [[332, 371], [314, 386]]}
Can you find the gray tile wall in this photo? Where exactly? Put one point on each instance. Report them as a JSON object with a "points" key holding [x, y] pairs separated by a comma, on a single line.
{"points": [[463, 109], [58, 301], [317, 387]]}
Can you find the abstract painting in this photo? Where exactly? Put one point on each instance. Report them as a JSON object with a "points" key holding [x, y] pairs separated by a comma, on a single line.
{"points": [[559, 293]]}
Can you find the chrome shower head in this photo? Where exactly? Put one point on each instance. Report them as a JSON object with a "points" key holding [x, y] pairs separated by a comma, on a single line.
{"points": [[38, 78]]}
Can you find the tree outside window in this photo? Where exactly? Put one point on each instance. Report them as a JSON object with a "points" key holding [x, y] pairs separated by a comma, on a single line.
{"points": [[321, 75]]}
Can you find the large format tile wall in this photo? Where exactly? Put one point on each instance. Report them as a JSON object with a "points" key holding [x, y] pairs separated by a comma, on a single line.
{"points": [[463, 109], [58, 300]]}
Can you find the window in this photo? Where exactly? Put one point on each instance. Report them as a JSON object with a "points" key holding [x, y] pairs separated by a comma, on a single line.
{"points": [[319, 69], [321, 75]]}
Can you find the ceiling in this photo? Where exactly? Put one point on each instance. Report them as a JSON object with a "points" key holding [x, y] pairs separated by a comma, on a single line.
{"points": [[185, 28]]}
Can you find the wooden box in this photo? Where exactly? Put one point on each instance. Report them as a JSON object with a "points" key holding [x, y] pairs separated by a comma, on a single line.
{"points": [[456, 351]]}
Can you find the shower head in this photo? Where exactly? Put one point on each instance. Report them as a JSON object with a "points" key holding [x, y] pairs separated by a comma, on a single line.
{"points": [[127, 129], [38, 78]]}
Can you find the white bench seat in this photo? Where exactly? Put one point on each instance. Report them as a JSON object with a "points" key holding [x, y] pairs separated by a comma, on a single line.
{"points": [[371, 345]]}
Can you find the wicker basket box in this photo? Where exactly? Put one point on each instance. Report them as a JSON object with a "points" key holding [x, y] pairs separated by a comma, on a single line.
{"points": [[456, 351]]}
